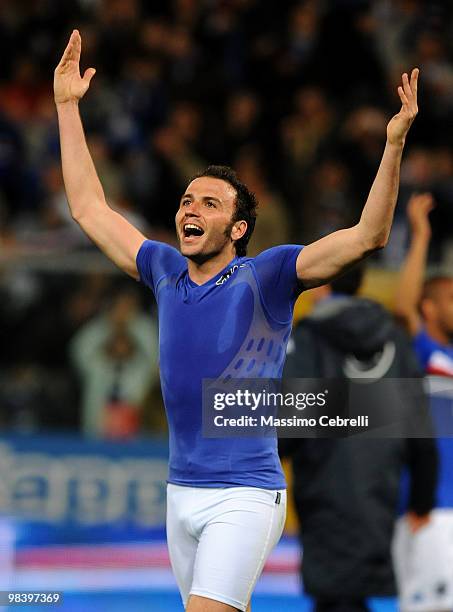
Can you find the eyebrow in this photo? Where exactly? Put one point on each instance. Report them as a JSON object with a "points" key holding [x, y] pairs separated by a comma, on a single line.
{"points": [[189, 195]]}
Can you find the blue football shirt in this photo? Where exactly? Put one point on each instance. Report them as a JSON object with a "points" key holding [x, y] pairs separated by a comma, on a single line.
{"points": [[237, 324], [436, 358]]}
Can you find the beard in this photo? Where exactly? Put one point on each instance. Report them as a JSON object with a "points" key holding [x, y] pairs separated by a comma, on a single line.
{"points": [[211, 248]]}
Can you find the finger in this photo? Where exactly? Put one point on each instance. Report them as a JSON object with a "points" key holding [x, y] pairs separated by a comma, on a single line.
{"points": [[414, 198], [424, 202], [77, 44], [403, 97], [423, 197], [429, 201], [88, 75], [66, 53], [70, 52], [414, 202], [414, 80], [406, 86]]}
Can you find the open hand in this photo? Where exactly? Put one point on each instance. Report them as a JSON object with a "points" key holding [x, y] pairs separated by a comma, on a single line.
{"points": [[399, 124], [68, 85], [418, 209]]}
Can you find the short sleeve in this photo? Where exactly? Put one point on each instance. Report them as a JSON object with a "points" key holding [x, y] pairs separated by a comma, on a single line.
{"points": [[155, 260], [276, 274], [435, 357]]}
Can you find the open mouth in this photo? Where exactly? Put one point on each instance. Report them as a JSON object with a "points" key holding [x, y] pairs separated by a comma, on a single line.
{"points": [[191, 230]]}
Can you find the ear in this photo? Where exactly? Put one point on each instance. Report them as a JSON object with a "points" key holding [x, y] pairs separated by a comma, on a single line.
{"points": [[238, 230], [428, 309]]}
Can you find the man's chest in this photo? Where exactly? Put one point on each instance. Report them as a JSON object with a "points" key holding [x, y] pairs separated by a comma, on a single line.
{"points": [[194, 321]]}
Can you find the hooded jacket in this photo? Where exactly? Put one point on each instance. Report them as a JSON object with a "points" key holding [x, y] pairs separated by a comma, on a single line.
{"points": [[346, 491]]}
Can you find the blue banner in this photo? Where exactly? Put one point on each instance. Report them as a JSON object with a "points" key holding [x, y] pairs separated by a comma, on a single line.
{"points": [[67, 488]]}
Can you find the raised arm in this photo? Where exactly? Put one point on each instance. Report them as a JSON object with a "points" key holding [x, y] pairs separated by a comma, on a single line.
{"points": [[323, 260], [410, 282], [115, 236]]}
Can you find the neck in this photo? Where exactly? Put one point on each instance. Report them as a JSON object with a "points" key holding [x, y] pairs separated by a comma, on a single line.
{"points": [[437, 334], [202, 272]]}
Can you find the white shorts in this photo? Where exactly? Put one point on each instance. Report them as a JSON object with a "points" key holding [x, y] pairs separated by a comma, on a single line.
{"points": [[219, 539], [424, 564]]}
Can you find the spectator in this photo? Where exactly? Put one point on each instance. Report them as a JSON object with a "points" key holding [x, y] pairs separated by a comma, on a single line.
{"points": [[346, 490], [115, 356], [425, 307]]}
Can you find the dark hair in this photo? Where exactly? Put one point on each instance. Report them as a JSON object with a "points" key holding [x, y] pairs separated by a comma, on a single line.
{"points": [[432, 285], [246, 202], [350, 282]]}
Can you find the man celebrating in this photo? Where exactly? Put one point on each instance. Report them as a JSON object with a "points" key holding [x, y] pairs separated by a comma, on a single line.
{"points": [[425, 306], [221, 314]]}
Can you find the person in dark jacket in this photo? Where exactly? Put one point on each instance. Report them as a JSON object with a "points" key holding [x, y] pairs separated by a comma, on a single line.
{"points": [[346, 491]]}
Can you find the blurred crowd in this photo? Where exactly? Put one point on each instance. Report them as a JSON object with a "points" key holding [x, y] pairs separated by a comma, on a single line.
{"points": [[295, 95]]}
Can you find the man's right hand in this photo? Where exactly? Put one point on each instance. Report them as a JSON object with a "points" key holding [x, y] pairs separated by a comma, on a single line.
{"points": [[410, 285], [418, 209], [68, 85]]}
